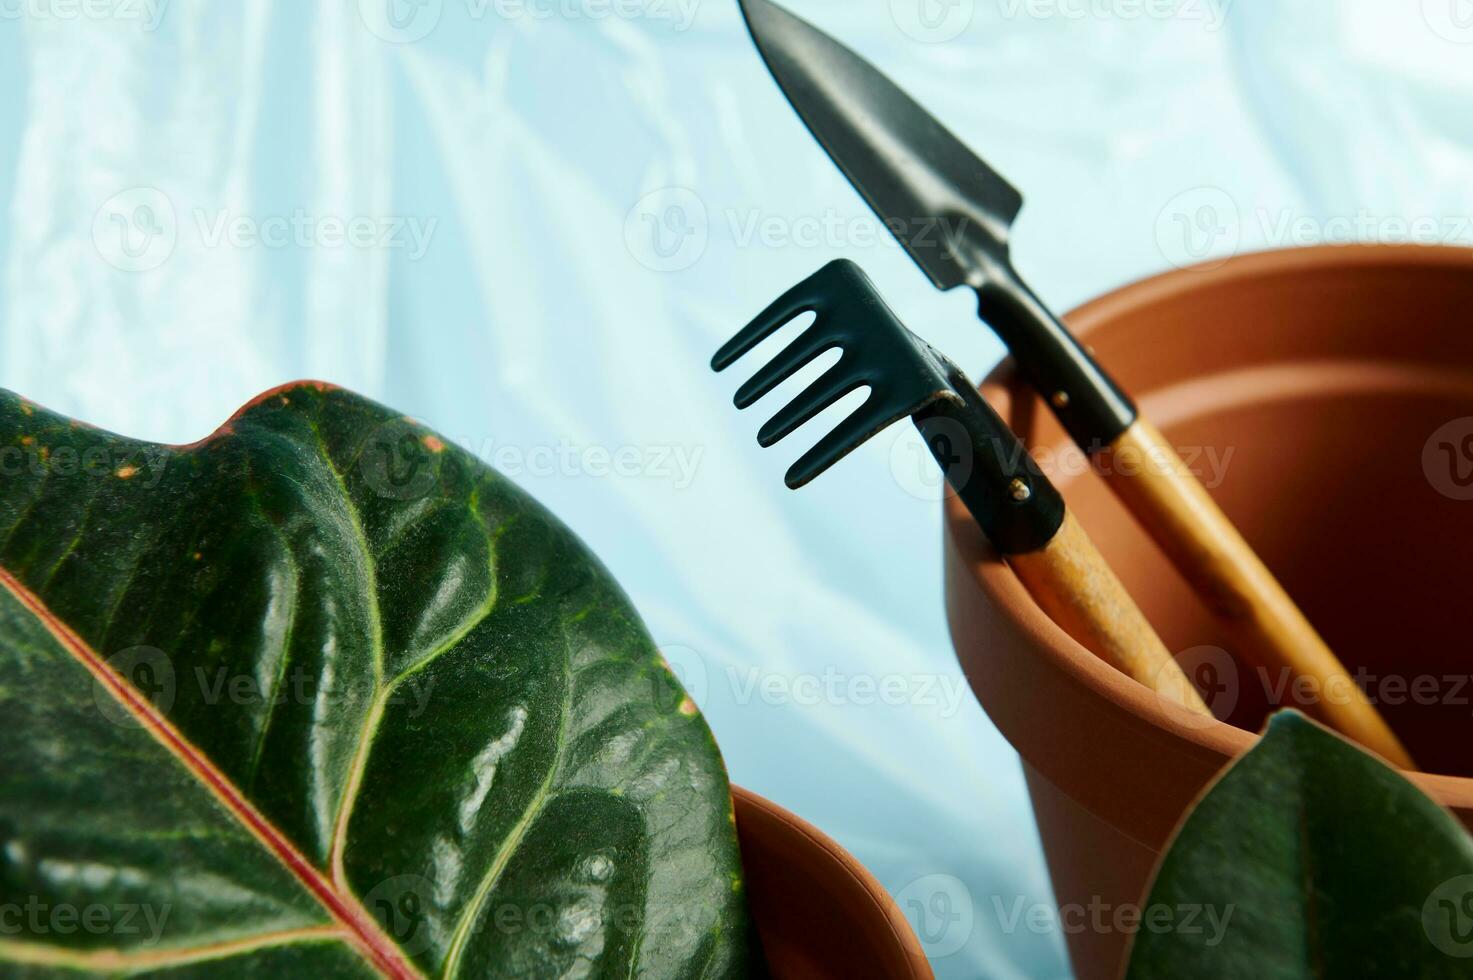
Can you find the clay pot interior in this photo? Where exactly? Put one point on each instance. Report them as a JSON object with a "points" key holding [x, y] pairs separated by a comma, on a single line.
{"points": [[1312, 388], [819, 912]]}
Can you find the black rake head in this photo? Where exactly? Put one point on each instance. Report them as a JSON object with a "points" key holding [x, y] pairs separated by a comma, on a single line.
{"points": [[904, 374]]}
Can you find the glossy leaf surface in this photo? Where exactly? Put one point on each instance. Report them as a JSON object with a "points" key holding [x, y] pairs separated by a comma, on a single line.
{"points": [[323, 695], [1310, 858]]}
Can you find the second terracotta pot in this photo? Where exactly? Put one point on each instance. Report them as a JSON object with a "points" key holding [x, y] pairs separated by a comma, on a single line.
{"points": [[820, 914], [1325, 396]]}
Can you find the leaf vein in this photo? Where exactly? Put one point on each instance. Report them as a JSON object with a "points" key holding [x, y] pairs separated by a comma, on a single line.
{"points": [[518, 833], [43, 954]]}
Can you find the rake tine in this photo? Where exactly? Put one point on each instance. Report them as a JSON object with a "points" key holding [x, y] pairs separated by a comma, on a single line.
{"points": [[828, 388], [843, 439], [800, 299], [1012, 500], [805, 348]]}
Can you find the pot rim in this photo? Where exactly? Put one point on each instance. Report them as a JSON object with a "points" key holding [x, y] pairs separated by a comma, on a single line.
{"points": [[1003, 588], [885, 921]]}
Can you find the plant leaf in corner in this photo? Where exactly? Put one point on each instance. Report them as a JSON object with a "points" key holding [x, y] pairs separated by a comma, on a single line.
{"points": [[1310, 858], [323, 695]]}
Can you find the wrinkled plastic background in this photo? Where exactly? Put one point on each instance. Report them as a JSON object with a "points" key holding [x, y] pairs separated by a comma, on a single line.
{"points": [[603, 190]]}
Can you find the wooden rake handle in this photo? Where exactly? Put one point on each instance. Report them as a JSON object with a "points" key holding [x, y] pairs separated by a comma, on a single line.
{"points": [[1070, 581], [1025, 517], [1144, 470]]}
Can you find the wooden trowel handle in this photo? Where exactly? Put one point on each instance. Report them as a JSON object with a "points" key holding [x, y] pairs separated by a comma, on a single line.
{"points": [[1264, 624]]}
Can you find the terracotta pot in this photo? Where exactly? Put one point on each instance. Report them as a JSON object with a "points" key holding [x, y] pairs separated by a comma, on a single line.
{"points": [[1325, 373], [819, 912]]}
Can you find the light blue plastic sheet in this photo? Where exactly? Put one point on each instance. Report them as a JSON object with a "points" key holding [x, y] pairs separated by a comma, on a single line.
{"points": [[530, 222]]}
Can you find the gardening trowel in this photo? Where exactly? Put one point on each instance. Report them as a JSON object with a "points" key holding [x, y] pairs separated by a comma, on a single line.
{"points": [[952, 213]]}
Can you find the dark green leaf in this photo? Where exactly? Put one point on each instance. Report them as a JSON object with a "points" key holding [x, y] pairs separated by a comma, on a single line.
{"points": [[324, 696], [1310, 858]]}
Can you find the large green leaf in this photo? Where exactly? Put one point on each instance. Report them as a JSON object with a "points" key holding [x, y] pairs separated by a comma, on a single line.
{"points": [[322, 695], [1310, 858]]}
